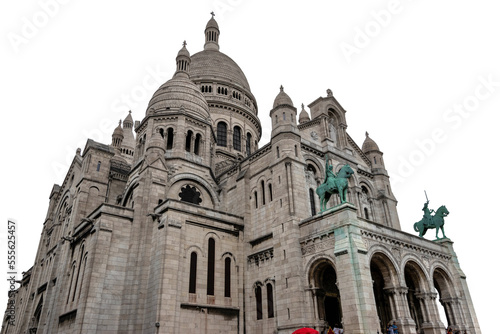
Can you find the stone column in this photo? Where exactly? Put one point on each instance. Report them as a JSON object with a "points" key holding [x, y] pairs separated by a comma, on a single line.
{"points": [[401, 310]]}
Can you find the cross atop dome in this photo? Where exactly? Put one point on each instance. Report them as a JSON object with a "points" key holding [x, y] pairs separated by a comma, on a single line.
{"points": [[212, 13]]}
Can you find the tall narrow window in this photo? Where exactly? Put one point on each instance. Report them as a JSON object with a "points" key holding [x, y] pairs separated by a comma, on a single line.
{"points": [[188, 140], [366, 214], [83, 275], [256, 200], [71, 281], [270, 301], [222, 134], [211, 267], [192, 272], [277, 152], [270, 193], [170, 138], [98, 165], [227, 277], [237, 138], [258, 300], [311, 202], [78, 272], [197, 143], [249, 144], [263, 192]]}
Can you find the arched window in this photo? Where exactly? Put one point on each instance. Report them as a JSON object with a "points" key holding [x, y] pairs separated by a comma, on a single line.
{"points": [[237, 138], [366, 213], [270, 301], [249, 144], [227, 277], [170, 138], [197, 142], [192, 272], [222, 134], [211, 267], [188, 140], [311, 202], [98, 165], [263, 192], [258, 301], [270, 193]]}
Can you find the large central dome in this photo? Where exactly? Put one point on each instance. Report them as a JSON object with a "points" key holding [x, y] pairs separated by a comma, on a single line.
{"points": [[216, 65]]}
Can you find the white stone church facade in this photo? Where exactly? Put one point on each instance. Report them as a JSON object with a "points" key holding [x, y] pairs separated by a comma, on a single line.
{"points": [[184, 225]]}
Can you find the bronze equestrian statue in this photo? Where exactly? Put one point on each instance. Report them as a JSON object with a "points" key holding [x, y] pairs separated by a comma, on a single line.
{"points": [[334, 184], [428, 221]]}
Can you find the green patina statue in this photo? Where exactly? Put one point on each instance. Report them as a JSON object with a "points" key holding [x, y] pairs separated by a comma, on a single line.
{"points": [[428, 221], [333, 184]]}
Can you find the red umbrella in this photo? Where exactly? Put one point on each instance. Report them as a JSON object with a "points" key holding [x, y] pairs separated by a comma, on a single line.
{"points": [[306, 330]]}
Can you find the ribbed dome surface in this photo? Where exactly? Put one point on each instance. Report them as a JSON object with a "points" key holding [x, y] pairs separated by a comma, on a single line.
{"points": [[178, 92], [369, 145], [282, 98], [215, 65]]}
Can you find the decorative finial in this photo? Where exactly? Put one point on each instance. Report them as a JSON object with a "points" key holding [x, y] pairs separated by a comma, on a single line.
{"points": [[120, 123], [130, 111], [366, 133], [302, 106], [281, 88], [213, 14], [184, 44], [329, 92]]}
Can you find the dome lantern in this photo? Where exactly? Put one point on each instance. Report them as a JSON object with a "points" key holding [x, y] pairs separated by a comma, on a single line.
{"points": [[212, 34]]}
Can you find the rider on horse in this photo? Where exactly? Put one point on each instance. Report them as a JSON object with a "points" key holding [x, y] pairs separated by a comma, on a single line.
{"points": [[427, 214], [329, 171]]}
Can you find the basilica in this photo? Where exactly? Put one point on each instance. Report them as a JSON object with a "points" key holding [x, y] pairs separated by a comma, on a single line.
{"points": [[183, 224]]}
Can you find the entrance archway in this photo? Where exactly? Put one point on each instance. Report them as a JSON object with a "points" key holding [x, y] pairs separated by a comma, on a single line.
{"points": [[383, 277], [415, 278], [327, 294], [444, 287]]}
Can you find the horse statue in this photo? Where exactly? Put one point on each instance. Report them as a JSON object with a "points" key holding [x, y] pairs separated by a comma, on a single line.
{"points": [[429, 221], [334, 184]]}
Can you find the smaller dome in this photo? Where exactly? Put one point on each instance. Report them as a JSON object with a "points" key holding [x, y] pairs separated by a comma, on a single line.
{"points": [[156, 143], [303, 116], [212, 23], [128, 121], [369, 145], [282, 99], [184, 51], [118, 130]]}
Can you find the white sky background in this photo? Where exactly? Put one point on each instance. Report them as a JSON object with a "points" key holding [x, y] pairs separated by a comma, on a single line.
{"points": [[67, 81]]}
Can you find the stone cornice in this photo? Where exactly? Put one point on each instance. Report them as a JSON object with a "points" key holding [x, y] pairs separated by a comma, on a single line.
{"points": [[384, 239]]}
